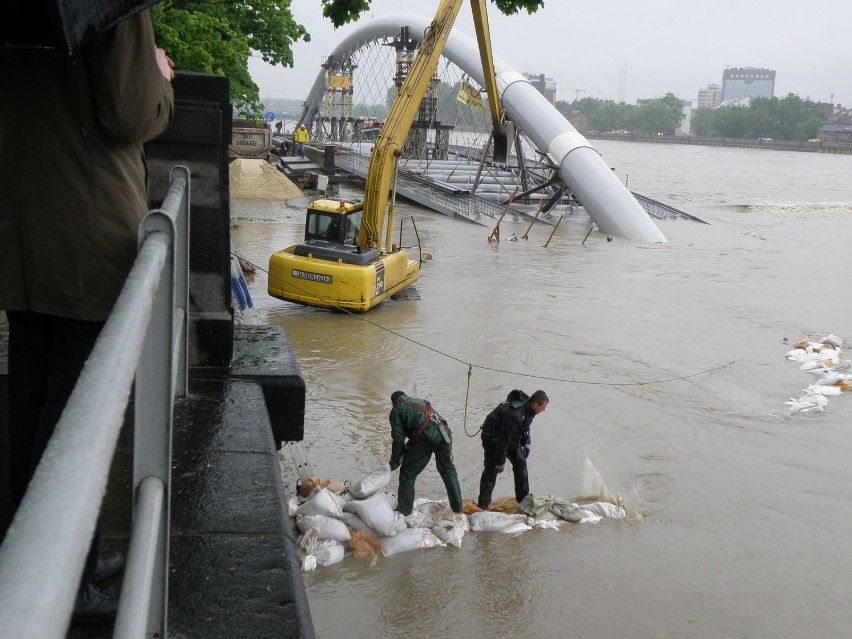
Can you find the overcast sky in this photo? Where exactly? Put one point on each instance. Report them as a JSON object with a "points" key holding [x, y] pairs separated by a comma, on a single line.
{"points": [[664, 45]]}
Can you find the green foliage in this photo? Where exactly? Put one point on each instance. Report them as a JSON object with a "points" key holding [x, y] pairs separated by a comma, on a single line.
{"points": [[219, 37], [788, 118], [661, 116], [700, 123], [342, 11]]}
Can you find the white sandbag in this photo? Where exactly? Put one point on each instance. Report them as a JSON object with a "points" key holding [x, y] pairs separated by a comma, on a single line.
{"points": [[429, 540], [309, 542], [588, 517], [293, 506], [355, 522], [488, 521], [451, 531], [427, 513], [546, 524], [399, 522], [375, 512], [327, 527], [409, 539], [403, 541], [330, 554], [372, 483], [309, 563], [518, 527], [418, 520], [321, 502], [393, 500], [604, 509]]}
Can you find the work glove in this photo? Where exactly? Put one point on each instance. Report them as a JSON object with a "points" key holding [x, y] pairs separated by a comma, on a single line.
{"points": [[526, 452], [393, 465]]}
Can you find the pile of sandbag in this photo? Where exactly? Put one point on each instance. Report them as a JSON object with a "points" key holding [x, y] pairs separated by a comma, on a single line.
{"points": [[822, 358], [363, 520]]}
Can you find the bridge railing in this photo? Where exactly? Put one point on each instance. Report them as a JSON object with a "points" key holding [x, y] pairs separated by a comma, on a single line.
{"points": [[145, 337]]}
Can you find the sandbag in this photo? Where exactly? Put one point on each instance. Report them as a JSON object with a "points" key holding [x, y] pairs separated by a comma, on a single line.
{"points": [[293, 506], [364, 544], [515, 528], [372, 483], [310, 483], [504, 505], [355, 522], [538, 505], [410, 539], [604, 509], [452, 531], [469, 507], [309, 563], [322, 502], [330, 554], [375, 512], [487, 521], [393, 500], [327, 527]]}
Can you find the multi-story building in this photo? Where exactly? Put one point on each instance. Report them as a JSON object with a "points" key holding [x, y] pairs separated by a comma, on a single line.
{"points": [[546, 86], [709, 98], [747, 82]]}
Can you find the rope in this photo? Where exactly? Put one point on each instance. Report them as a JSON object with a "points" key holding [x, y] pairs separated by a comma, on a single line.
{"points": [[471, 365]]}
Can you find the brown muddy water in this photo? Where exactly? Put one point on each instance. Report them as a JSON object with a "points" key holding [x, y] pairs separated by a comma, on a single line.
{"points": [[739, 512]]}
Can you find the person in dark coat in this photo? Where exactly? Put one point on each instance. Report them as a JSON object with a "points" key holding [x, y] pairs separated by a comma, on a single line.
{"points": [[68, 227], [427, 432], [506, 435]]}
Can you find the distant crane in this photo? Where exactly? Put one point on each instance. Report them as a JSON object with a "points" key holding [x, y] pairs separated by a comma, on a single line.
{"points": [[576, 92]]}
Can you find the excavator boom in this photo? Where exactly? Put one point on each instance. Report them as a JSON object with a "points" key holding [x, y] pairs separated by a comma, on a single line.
{"points": [[341, 264], [391, 139]]}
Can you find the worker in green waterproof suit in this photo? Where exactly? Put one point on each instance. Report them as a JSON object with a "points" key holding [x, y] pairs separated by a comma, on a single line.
{"points": [[427, 432]]}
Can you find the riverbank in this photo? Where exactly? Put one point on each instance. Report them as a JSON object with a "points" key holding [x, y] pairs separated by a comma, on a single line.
{"points": [[838, 148]]}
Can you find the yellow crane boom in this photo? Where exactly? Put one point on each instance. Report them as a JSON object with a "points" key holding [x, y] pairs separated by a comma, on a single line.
{"points": [[343, 261], [388, 146]]}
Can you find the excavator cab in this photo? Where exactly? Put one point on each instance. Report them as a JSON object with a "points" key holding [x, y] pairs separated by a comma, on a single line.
{"points": [[331, 220]]}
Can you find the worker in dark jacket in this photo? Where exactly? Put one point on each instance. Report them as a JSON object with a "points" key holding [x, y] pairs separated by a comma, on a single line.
{"points": [[427, 432], [506, 435]]}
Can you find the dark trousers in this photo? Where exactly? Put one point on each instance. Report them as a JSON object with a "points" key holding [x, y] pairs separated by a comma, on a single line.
{"points": [[46, 356], [515, 455], [417, 455]]}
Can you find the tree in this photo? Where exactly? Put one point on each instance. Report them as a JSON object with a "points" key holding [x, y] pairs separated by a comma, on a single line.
{"points": [[218, 38], [342, 11], [700, 122]]}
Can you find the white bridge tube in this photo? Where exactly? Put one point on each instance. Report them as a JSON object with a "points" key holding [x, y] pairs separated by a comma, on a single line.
{"points": [[607, 201]]}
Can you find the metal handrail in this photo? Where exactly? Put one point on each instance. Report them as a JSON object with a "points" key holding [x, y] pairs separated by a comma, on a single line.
{"points": [[43, 554]]}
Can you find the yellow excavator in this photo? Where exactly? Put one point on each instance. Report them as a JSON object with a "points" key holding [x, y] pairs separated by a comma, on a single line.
{"points": [[344, 261]]}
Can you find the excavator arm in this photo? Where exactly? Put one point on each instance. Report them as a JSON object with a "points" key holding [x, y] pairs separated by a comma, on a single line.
{"points": [[483, 38], [388, 146]]}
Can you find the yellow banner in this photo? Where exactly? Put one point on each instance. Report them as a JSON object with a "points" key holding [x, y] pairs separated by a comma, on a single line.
{"points": [[468, 95], [338, 82]]}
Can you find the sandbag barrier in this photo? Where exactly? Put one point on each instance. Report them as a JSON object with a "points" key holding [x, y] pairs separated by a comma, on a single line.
{"points": [[362, 519]]}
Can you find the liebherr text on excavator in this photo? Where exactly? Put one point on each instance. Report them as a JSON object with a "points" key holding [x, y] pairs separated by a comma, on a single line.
{"points": [[348, 259]]}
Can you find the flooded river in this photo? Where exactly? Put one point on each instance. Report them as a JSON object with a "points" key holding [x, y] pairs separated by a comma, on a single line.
{"points": [[739, 512]]}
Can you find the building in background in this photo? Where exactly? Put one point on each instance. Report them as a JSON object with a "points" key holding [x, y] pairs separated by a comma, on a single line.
{"points": [[709, 98], [545, 86], [747, 82]]}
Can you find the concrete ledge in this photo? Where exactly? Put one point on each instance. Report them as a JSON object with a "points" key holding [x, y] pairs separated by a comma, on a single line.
{"points": [[234, 567], [263, 354]]}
